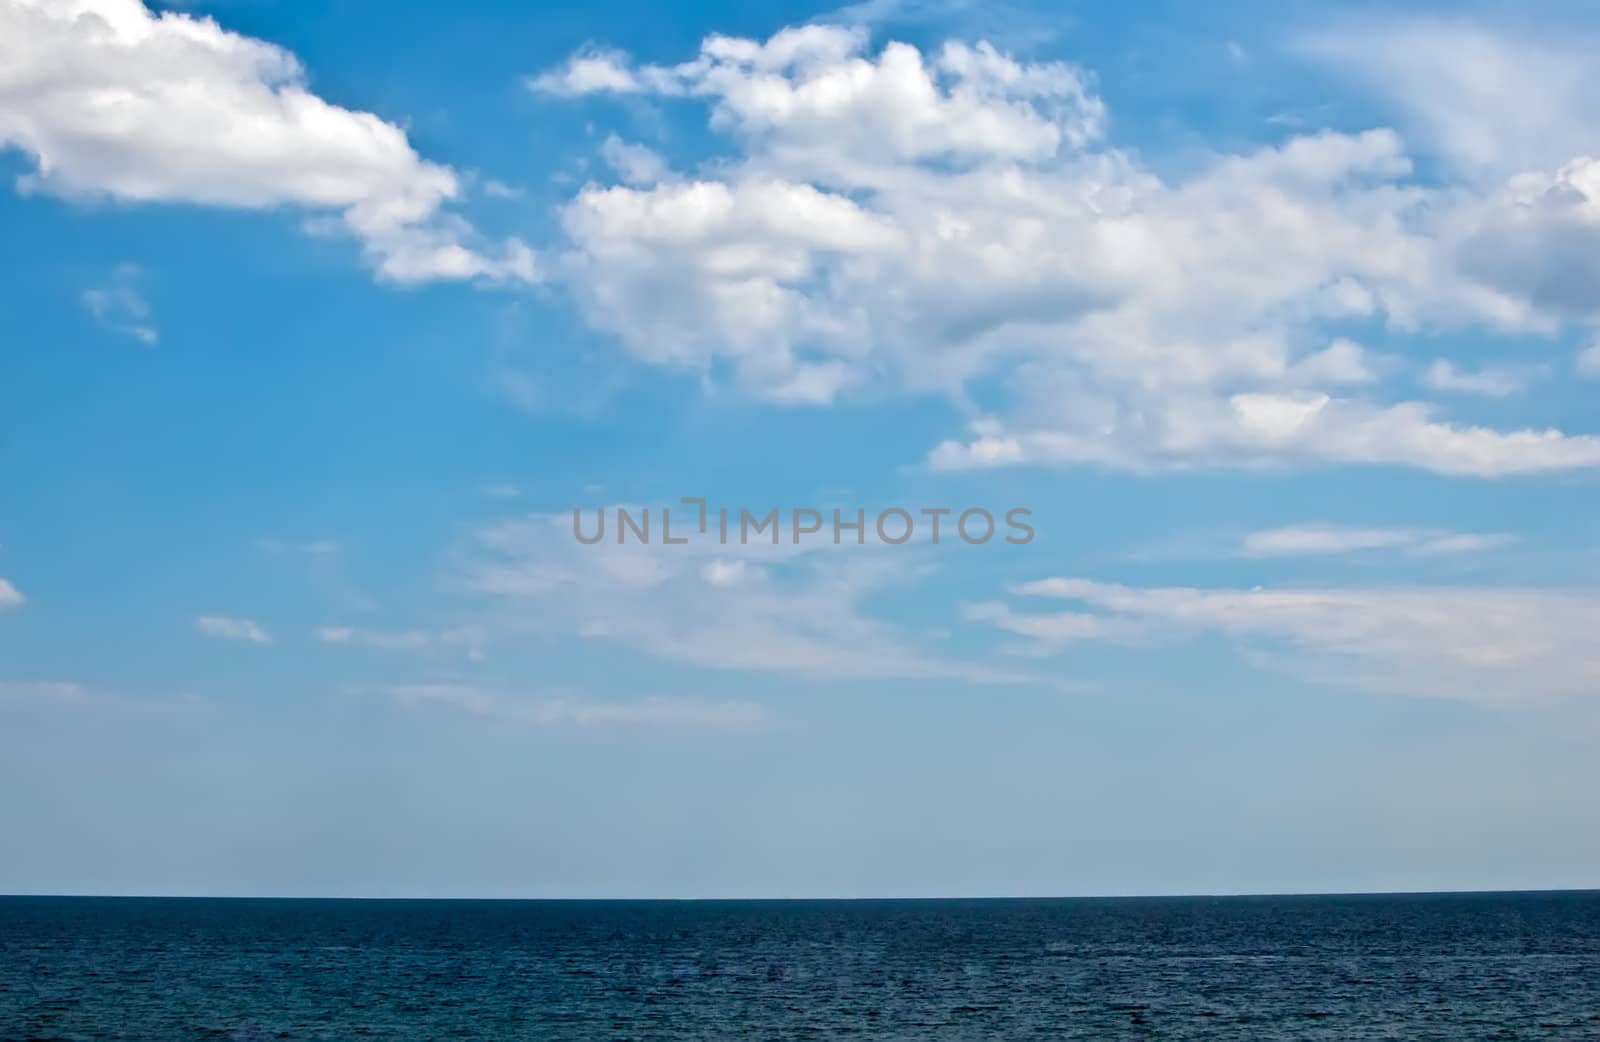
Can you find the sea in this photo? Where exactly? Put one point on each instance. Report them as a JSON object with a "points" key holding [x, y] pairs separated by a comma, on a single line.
{"points": [[1423, 966]]}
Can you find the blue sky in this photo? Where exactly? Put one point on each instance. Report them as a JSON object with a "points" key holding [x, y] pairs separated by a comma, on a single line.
{"points": [[320, 320]]}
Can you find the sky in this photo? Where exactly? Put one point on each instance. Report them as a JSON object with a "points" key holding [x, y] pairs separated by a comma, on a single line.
{"points": [[320, 321]]}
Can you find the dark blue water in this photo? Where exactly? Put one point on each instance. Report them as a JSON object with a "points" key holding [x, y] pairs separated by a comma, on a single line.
{"points": [[1485, 966]]}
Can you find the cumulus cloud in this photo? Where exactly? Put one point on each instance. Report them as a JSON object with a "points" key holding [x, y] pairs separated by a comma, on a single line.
{"points": [[113, 100], [1536, 241], [1493, 646], [817, 94], [923, 219], [589, 71], [1305, 540], [10, 596], [225, 627]]}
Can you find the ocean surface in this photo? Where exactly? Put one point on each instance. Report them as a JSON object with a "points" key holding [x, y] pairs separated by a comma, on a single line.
{"points": [[1457, 967]]}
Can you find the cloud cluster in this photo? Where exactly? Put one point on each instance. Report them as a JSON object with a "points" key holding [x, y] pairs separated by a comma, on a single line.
{"points": [[113, 100], [925, 219], [1493, 646], [10, 596]]}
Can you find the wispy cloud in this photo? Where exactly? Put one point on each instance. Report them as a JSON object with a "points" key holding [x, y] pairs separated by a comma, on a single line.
{"points": [[225, 627], [501, 490], [293, 547], [1589, 360], [1489, 645], [466, 640], [120, 307], [654, 711], [1495, 102], [1490, 382], [47, 691], [322, 561], [1308, 540], [387, 640], [758, 607], [1049, 633], [10, 596], [635, 164], [69, 694]]}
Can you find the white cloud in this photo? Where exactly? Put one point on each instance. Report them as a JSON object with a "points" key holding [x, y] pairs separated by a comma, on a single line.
{"points": [[1439, 544], [1537, 241], [496, 189], [923, 219], [1342, 363], [1305, 540], [1495, 102], [730, 573], [1513, 113], [465, 639], [1271, 429], [119, 306], [113, 100], [588, 72], [1322, 539], [812, 88], [635, 164], [1052, 632], [10, 596], [225, 627], [502, 490], [1491, 382], [1494, 646], [654, 711]]}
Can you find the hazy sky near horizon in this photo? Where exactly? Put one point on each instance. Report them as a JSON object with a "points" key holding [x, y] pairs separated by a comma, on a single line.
{"points": [[321, 319]]}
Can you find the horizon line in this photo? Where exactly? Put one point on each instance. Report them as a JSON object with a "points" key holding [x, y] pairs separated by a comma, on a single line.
{"points": [[1534, 891]]}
